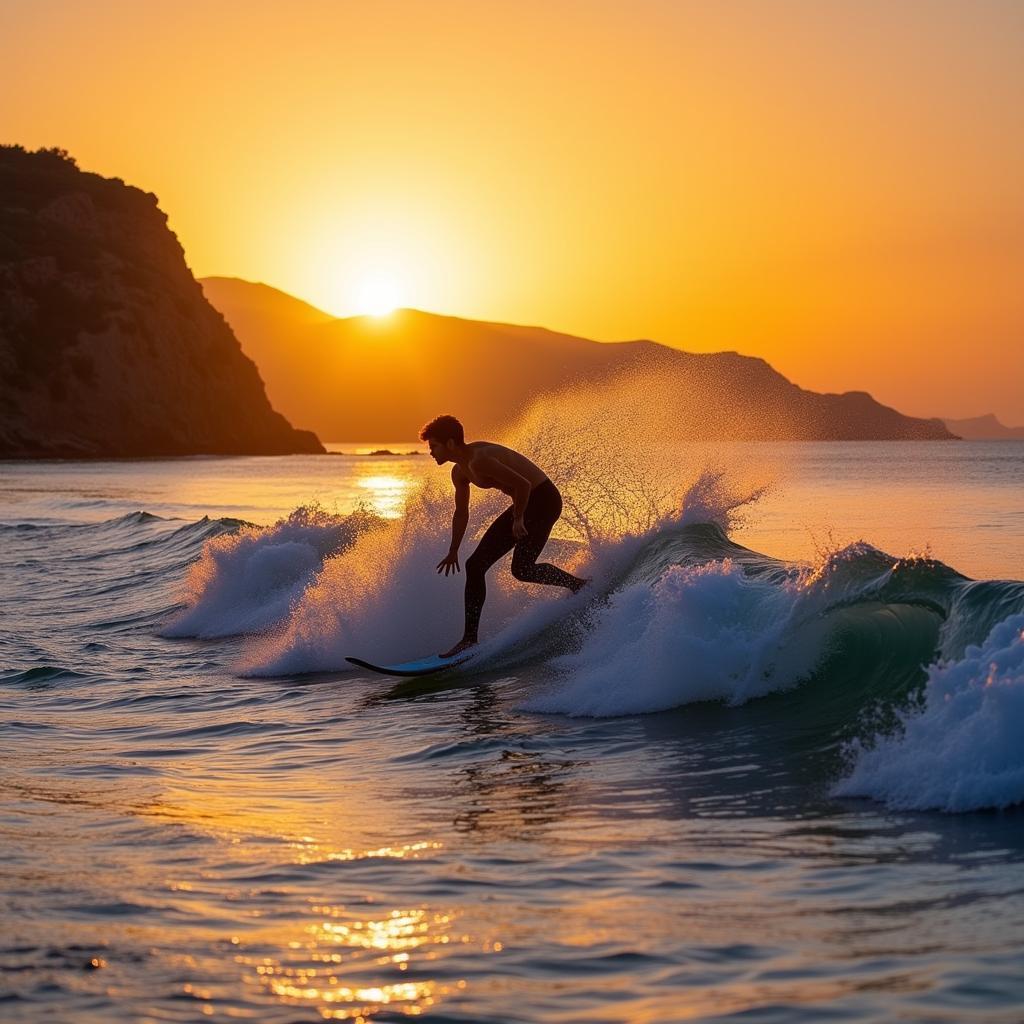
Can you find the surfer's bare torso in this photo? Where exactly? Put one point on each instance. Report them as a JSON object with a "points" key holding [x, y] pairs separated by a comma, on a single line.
{"points": [[488, 467]]}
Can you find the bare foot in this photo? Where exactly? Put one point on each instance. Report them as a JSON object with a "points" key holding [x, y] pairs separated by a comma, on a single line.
{"points": [[462, 645]]}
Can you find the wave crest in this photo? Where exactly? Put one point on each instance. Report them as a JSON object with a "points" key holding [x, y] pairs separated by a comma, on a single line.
{"points": [[705, 632]]}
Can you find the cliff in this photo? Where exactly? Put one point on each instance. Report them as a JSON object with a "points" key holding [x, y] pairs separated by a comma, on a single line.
{"points": [[360, 378], [108, 346]]}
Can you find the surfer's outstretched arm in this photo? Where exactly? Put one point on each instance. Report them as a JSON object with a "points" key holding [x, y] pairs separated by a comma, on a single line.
{"points": [[460, 520]]}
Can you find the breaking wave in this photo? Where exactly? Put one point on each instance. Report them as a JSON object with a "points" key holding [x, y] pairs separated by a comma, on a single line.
{"points": [[958, 747], [248, 580]]}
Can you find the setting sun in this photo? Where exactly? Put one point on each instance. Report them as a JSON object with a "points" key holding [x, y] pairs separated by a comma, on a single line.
{"points": [[376, 295]]}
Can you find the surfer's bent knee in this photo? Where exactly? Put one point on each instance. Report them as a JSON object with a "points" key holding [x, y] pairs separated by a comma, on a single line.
{"points": [[522, 571]]}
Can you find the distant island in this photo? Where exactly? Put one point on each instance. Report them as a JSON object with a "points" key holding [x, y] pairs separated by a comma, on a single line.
{"points": [[984, 428], [359, 377], [108, 347]]}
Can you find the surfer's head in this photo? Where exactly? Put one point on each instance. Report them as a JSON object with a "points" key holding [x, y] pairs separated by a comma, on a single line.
{"points": [[444, 435]]}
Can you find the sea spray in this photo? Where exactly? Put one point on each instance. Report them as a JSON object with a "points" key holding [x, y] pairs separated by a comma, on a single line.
{"points": [[247, 581], [959, 747], [607, 448]]}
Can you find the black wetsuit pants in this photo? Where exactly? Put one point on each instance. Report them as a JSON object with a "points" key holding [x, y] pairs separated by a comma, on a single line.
{"points": [[542, 511]]}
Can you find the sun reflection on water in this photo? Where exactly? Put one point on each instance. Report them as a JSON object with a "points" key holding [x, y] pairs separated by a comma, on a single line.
{"points": [[321, 959], [345, 964], [341, 948], [401, 930], [387, 493], [309, 851], [410, 998]]}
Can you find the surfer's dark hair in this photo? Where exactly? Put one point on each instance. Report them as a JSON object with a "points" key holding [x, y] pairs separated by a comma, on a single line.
{"points": [[443, 428]]}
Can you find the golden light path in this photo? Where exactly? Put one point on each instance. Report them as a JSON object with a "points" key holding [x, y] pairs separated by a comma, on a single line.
{"points": [[387, 493], [333, 961], [327, 963], [334, 946]]}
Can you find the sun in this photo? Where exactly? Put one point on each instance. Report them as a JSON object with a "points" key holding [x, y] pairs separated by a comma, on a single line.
{"points": [[377, 294]]}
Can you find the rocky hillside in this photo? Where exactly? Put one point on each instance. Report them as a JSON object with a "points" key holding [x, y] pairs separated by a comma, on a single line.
{"points": [[108, 346], [365, 378]]}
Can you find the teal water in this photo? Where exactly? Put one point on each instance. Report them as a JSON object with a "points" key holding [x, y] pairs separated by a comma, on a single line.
{"points": [[669, 804]]}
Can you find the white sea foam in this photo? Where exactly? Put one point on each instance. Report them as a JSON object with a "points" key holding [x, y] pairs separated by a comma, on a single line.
{"points": [[248, 581], [961, 749], [706, 632]]}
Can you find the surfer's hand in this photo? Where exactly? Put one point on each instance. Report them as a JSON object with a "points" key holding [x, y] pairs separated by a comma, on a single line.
{"points": [[450, 563], [519, 530]]}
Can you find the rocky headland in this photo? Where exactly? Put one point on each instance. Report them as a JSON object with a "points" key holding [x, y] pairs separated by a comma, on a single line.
{"points": [[108, 346]]}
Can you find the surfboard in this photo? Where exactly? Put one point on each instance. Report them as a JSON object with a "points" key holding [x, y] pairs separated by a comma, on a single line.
{"points": [[423, 667]]}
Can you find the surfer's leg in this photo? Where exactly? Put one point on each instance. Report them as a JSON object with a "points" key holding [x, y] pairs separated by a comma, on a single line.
{"points": [[541, 515], [495, 543]]}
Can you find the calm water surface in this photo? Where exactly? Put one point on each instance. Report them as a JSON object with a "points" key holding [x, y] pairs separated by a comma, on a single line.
{"points": [[180, 843]]}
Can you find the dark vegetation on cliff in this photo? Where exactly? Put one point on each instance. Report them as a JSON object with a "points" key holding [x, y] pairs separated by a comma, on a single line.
{"points": [[108, 346]]}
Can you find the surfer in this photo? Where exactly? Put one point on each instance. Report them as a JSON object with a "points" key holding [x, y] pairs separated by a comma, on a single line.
{"points": [[522, 529]]}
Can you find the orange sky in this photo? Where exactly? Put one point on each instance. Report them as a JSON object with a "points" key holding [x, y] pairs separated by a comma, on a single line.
{"points": [[833, 186]]}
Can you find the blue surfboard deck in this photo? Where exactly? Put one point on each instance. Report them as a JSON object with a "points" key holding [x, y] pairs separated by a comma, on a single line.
{"points": [[422, 667]]}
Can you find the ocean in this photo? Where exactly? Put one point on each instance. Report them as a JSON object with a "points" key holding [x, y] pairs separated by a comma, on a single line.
{"points": [[768, 767]]}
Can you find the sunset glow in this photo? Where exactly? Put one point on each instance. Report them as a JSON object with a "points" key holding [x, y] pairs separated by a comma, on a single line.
{"points": [[832, 187]]}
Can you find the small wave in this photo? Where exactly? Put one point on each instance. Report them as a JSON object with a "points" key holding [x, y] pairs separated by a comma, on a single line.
{"points": [[959, 748], [141, 516], [138, 518], [40, 675]]}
